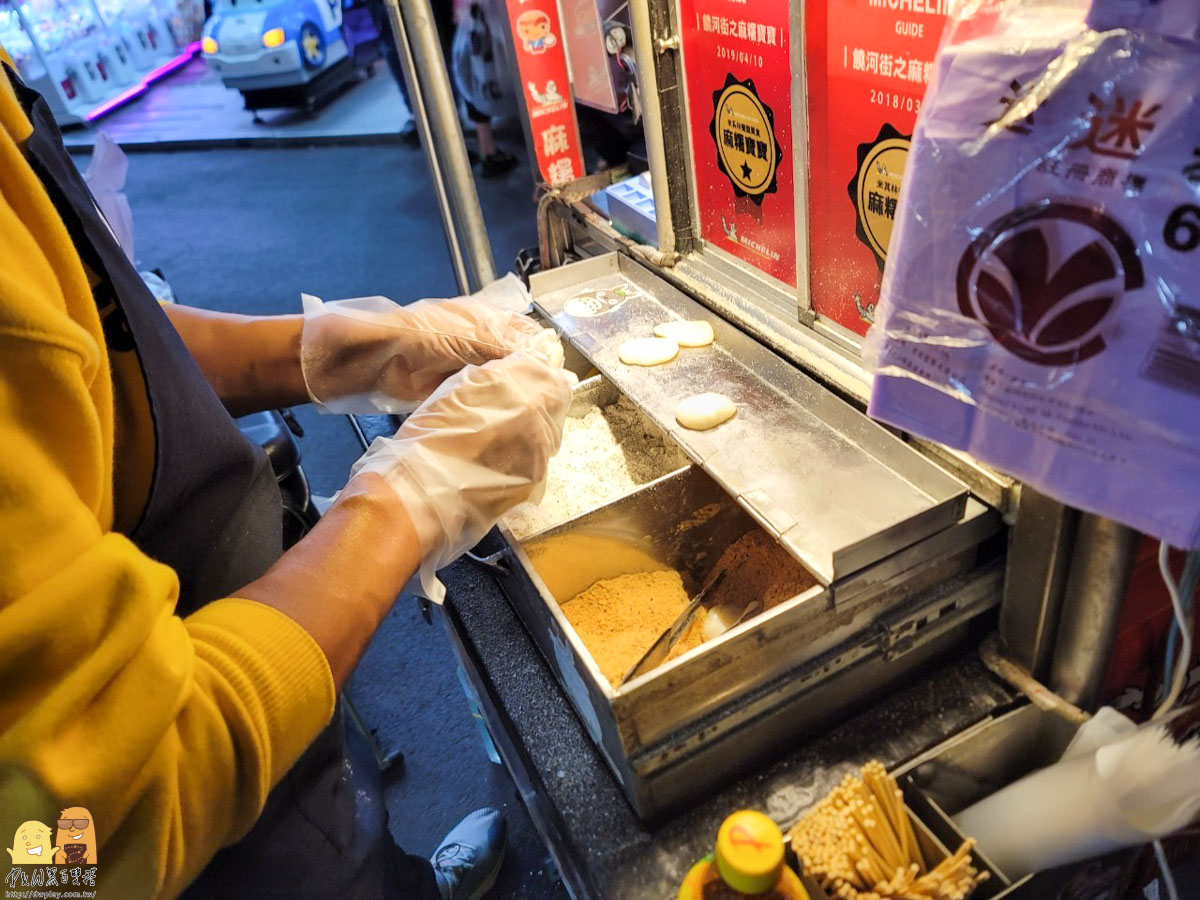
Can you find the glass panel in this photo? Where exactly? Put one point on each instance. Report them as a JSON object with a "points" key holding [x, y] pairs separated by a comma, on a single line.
{"points": [[738, 77], [14, 39], [57, 23], [867, 65]]}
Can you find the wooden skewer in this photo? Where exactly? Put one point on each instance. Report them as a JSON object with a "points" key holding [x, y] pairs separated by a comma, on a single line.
{"points": [[869, 871], [881, 786], [892, 800], [859, 844], [910, 834], [865, 848], [890, 833]]}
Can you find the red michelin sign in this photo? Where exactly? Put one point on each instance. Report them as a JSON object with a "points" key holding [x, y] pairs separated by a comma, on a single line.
{"points": [[736, 57], [868, 63]]}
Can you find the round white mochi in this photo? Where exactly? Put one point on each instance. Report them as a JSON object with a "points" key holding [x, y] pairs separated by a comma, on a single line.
{"points": [[704, 411], [717, 621], [648, 351], [690, 333]]}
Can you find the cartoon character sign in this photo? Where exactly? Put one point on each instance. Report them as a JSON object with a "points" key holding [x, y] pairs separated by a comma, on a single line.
{"points": [[31, 845], [545, 98], [76, 837], [534, 29]]}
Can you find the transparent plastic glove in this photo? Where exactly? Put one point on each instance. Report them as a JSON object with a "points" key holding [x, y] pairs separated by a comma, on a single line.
{"points": [[477, 447], [372, 355], [507, 293]]}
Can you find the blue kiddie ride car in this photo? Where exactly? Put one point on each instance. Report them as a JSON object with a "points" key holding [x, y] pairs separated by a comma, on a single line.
{"points": [[289, 52]]}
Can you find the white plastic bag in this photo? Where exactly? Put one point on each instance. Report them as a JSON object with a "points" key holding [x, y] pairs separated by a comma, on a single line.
{"points": [[1116, 786], [105, 178]]}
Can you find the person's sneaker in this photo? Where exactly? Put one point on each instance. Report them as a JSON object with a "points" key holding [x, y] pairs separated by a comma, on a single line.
{"points": [[469, 859], [497, 164]]}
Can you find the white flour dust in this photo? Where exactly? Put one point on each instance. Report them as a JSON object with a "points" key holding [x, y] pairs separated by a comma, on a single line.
{"points": [[605, 453]]}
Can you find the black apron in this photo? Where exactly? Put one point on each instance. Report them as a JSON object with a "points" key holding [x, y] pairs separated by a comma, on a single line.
{"points": [[213, 515]]}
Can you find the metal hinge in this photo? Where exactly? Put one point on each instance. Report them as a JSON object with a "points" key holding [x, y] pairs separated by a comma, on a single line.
{"points": [[897, 638], [902, 632]]}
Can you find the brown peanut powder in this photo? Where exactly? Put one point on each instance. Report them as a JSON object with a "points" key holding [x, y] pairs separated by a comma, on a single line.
{"points": [[758, 569], [619, 618]]}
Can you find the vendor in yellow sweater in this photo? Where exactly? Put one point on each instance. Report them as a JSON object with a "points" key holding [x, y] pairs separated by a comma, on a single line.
{"points": [[165, 667]]}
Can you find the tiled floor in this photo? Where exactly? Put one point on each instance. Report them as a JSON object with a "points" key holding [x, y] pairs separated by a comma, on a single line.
{"points": [[193, 108]]}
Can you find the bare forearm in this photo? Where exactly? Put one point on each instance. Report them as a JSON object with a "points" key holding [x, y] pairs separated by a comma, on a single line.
{"points": [[252, 362], [340, 581]]}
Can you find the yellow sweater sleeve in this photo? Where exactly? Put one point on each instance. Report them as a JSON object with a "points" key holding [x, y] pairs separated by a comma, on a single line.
{"points": [[170, 731]]}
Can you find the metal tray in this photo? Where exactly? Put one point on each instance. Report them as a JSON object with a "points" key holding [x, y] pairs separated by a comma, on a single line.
{"points": [[838, 490], [597, 391], [694, 721], [971, 765]]}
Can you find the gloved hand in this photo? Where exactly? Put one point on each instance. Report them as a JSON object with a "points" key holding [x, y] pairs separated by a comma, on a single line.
{"points": [[477, 447], [371, 355]]}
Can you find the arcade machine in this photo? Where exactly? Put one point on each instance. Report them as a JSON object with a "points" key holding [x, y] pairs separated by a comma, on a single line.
{"points": [[87, 58], [143, 29], [63, 50], [289, 53]]}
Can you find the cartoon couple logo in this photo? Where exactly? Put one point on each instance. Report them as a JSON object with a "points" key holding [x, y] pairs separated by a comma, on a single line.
{"points": [[74, 842], [534, 29]]}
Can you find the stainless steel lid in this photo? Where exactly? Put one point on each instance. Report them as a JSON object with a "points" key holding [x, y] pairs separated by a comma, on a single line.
{"points": [[836, 489]]}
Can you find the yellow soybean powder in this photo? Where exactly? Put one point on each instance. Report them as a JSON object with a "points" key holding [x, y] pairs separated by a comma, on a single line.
{"points": [[619, 618]]}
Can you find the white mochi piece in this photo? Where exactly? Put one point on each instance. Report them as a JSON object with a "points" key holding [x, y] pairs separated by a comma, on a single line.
{"points": [[689, 333], [648, 351], [717, 621], [703, 411]]}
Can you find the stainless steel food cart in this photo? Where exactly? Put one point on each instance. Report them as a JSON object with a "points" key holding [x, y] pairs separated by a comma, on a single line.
{"points": [[916, 551]]}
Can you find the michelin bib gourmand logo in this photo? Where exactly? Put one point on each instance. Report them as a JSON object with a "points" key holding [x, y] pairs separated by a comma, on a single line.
{"points": [[62, 859], [743, 128], [1046, 278], [875, 190]]}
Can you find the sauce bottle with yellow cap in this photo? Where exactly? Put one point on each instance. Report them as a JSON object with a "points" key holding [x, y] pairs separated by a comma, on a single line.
{"points": [[748, 862]]}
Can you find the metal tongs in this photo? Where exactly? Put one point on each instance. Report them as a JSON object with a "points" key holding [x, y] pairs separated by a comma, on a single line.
{"points": [[661, 648]]}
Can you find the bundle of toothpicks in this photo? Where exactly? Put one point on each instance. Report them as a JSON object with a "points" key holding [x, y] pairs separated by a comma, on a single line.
{"points": [[859, 844]]}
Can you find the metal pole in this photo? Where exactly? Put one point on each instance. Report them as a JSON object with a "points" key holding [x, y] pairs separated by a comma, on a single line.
{"points": [[1040, 547], [33, 39], [1100, 568], [436, 116], [644, 52]]}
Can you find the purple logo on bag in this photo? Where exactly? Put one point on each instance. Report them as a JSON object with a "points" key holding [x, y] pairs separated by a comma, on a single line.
{"points": [[1045, 279]]}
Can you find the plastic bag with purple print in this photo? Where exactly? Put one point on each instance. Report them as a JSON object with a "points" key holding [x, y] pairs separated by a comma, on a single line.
{"points": [[1041, 303]]}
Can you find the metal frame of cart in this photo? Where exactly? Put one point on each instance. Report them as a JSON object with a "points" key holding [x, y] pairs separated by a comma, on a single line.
{"points": [[1058, 587]]}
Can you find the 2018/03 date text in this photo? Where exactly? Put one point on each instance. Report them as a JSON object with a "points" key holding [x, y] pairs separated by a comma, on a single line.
{"points": [[893, 100]]}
